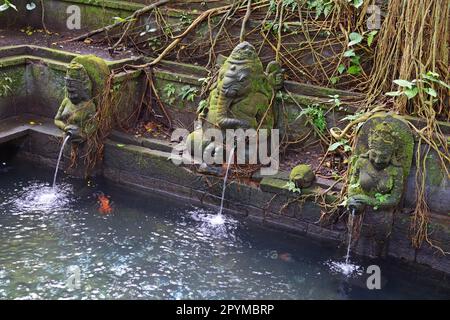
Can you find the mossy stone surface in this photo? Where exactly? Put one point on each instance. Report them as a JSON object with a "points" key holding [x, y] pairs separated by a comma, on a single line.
{"points": [[97, 70], [302, 175]]}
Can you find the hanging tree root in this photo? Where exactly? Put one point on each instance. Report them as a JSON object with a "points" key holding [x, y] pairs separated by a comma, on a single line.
{"points": [[135, 15], [414, 40]]}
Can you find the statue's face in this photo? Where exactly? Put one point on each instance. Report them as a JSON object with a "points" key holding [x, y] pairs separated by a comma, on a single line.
{"points": [[380, 159], [236, 81], [77, 91]]}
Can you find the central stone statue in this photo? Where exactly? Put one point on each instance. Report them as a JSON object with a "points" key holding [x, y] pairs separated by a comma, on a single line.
{"points": [[242, 98], [85, 78]]}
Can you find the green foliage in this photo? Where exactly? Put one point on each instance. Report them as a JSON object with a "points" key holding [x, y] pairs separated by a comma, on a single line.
{"points": [[381, 198], [316, 116], [188, 93], [6, 5], [273, 26], [202, 105], [170, 90], [352, 65], [343, 143], [288, 4], [185, 19], [5, 86], [371, 35], [335, 99], [356, 3], [410, 88], [292, 187], [324, 7], [355, 38], [154, 43]]}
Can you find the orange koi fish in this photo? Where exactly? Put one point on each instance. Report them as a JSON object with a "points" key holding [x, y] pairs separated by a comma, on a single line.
{"points": [[105, 204]]}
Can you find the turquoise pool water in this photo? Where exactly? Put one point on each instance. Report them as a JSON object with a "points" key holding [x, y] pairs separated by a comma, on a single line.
{"points": [[154, 247]]}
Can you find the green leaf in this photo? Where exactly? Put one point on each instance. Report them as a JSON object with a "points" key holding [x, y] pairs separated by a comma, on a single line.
{"points": [[6, 5], [442, 83], [355, 59], [357, 3], [341, 68], [404, 83], [355, 38], [431, 92], [335, 145], [411, 93], [349, 53], [9, 4], [119, 19], [334, 80], [354, 70], [394, 93], [120, 145], [370, 37]]}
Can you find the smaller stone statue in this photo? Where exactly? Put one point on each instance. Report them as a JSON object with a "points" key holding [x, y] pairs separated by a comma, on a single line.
{"points": [[84, 82], [378, 176], [302, 175]]}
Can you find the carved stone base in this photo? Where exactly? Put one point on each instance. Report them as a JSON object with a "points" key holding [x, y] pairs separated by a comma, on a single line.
{"points": [[375, 233]]}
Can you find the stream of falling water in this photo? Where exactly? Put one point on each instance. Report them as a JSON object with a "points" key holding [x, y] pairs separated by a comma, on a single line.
{"points": [[351, 218], [218, 219], [59, 159]]}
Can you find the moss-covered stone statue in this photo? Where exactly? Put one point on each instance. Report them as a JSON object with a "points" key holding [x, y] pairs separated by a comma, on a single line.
{"points": [[383, 159], [85, 80], [240, 98]]}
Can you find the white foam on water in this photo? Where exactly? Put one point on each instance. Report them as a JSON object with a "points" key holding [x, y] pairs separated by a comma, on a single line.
{"points": [[42, 197], [346, 268]]}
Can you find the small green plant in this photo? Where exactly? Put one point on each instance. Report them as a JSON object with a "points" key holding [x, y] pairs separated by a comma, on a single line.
{"points": [[288, 4], [170, 90], [335, 99], [154, 43], [352, 64], [324, 7], [202, 105], [292, 187], [381, 198], [410, 88], [5, 86], [188, 93], [315, 116], [185, 19]]}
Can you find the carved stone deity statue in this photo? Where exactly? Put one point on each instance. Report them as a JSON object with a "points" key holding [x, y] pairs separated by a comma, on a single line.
{"points": [[241, 98], [85, 78], [378, 176]]}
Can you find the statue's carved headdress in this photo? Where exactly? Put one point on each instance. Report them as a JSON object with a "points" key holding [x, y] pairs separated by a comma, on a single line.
{"points": [[244, 52], [78, 77], [384, 137]]}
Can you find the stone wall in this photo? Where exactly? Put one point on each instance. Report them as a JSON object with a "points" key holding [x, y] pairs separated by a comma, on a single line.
{"points": [[37, 75]]}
